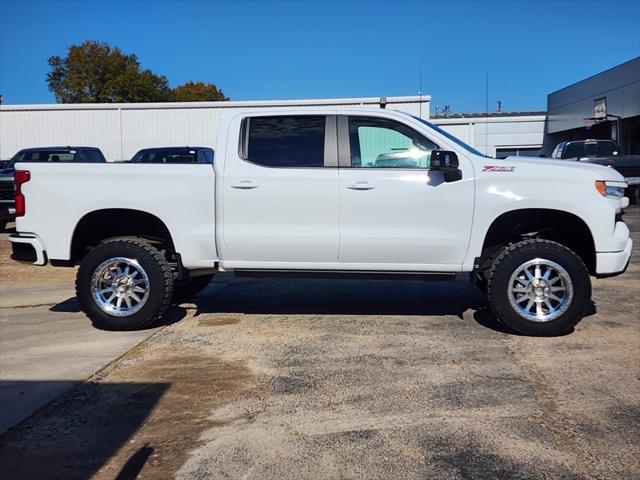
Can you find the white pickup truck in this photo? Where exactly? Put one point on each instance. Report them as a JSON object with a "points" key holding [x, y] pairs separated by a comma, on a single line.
{"points": [[320, 191]]}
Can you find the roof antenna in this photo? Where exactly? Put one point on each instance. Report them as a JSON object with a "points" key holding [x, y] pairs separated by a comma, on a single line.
{"points": [[499, 109]]}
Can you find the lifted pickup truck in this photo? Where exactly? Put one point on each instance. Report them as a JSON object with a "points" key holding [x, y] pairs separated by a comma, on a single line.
{"points": [[305, 192]]}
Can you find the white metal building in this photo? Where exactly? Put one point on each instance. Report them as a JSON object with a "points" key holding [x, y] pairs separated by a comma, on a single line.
{"points": [[498, 134], [120, 130]]}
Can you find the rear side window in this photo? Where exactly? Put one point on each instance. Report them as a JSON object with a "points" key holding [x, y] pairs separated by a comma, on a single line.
{"points": [[92, 156], [574, 150], [208, 156], [47, 156], [286, 141], [607, 148]]}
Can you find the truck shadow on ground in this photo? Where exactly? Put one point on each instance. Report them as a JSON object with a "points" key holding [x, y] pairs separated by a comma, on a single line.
{"points": [[228, 294], [77, 434], [346, 297]]}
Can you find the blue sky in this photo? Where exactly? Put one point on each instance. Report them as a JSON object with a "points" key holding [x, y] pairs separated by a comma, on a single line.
{"points": [[282, 50]]}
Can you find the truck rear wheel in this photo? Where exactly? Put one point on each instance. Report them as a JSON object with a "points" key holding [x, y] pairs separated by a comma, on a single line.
{"points": [[539, 287], [124, 284]]}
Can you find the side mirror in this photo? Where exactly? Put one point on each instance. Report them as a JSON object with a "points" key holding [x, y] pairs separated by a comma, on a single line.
{"points": [[447, 162]]}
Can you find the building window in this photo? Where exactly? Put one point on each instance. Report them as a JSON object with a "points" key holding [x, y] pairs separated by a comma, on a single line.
{"points": [[518, 152]]}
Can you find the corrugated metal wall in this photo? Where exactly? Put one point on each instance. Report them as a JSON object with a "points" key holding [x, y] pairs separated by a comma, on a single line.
{"points": [[121, 130]]}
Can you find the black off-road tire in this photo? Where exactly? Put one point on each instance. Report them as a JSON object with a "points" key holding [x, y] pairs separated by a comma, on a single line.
{"points": [[190, 288], [150, 259], [510, 259]]}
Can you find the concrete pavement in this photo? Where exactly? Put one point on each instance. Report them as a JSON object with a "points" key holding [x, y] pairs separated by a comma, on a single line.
{"points": [[47, 345]]}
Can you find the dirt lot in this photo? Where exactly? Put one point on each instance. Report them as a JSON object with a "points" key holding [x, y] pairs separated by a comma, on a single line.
{"points": [[351, 379]]}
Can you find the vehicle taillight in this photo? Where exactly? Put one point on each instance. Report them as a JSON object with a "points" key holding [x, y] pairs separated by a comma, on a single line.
{"points": [[20, 177]]}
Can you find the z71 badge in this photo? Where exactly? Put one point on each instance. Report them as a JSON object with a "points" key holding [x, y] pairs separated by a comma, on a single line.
{"points": [[497, 168]]}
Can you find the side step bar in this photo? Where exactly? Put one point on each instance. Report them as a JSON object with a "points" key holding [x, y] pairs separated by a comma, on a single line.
{"points": [[347, 275]]}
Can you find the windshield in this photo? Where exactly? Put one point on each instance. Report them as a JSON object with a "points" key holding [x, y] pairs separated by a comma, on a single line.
{"points": [[456, 140]]}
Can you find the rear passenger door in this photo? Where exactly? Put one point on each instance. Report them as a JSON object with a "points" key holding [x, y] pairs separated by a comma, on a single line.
{"points": [[280, 198]]}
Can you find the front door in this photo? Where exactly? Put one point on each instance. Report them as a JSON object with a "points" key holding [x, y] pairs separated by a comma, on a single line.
{"points": [[394, 212], [280, 198]]}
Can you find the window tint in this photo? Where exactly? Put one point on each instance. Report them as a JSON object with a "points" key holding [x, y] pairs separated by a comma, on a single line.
{"points": [[47, 156], [574, 149], [607, 147], [208, 155], [291, 141], [165, 156], [93, 156], [382, 143]]}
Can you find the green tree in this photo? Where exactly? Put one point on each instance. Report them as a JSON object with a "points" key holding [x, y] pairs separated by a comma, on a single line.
{"points": [[197, 92], [93, 72]]}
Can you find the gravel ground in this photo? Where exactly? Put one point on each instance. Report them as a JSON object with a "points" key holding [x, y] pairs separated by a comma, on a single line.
{"points": [[266, 379]]}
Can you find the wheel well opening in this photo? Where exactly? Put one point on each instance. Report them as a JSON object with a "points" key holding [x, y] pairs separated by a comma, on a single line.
{"points": [[556, 225], [100, 225]]}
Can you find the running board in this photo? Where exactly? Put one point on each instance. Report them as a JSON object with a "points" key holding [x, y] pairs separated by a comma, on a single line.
{"points": [[346, 274]]}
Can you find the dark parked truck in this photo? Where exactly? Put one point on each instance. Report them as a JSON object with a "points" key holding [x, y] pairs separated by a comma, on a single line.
{"points": [[174, 155], [7, 202], [66, 154], [603, 152]]}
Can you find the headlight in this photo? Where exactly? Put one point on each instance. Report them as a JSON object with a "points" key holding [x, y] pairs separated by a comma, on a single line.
{"points": [[607, 190]]}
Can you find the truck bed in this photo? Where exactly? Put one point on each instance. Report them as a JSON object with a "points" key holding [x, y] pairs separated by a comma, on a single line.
{"points": [[59, 195]]}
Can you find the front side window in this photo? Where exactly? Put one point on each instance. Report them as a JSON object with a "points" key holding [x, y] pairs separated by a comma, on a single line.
{"points": [[286, 141], [383, 143]]}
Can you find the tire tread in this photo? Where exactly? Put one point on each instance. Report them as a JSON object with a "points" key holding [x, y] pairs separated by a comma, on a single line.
{"points": [[167, 273]]}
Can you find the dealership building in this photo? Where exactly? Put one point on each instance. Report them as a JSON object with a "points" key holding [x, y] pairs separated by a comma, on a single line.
{"points": [[606, 105]]}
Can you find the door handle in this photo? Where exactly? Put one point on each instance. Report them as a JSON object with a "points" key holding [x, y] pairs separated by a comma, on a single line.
{"points": [[245, 185], [360, 186]]}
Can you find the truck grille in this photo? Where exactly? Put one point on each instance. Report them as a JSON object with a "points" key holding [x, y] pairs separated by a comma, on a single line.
{"points": [[6, 191]]}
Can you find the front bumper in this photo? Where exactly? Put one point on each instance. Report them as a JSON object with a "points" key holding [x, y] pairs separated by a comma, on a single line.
{"points": [[27, 248], [613, 263]]}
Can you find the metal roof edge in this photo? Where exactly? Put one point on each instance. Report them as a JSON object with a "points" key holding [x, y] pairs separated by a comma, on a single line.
{"points": [[219, 104]]}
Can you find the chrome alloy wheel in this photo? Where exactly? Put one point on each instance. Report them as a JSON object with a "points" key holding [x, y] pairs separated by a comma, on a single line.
{"points": [[120, 286], [540, 290]]}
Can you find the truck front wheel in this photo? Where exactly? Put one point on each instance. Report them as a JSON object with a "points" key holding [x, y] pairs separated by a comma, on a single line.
{"points": [[539, 287], [124, 284]]}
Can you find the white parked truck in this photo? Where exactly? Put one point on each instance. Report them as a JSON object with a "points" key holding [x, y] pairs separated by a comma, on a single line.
{"points": [[321, 191]]}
